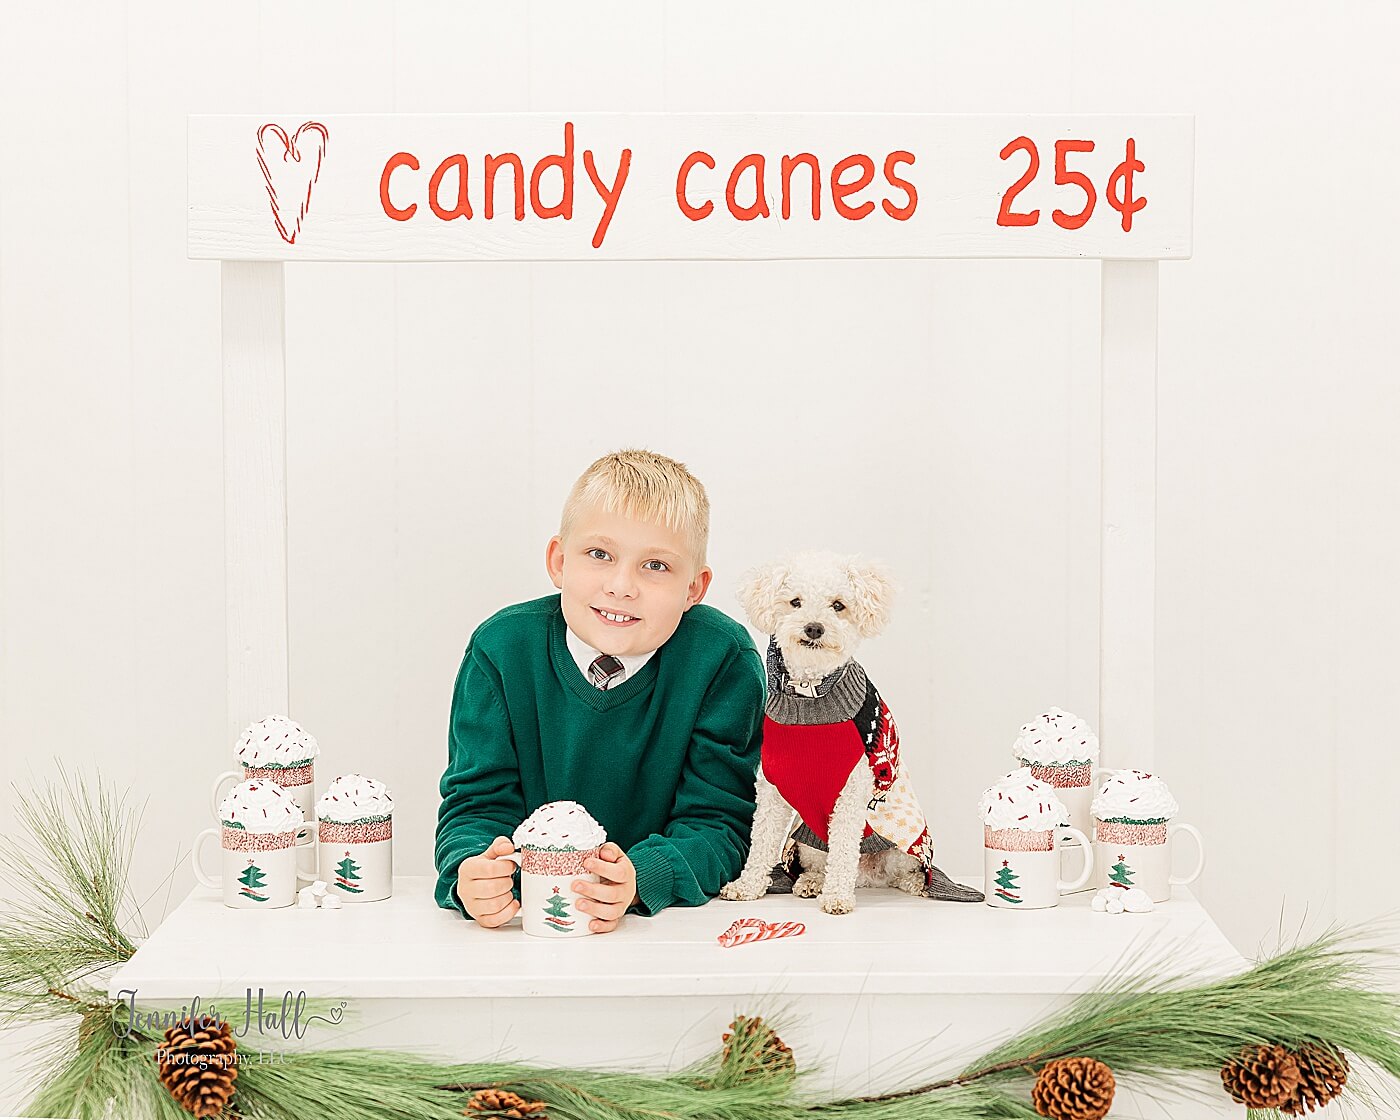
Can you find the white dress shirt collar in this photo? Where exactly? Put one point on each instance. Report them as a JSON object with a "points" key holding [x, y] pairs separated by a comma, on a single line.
{"points": [[585, 655]]}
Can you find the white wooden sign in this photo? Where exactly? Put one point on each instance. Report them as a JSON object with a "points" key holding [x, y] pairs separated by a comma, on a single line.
{"points": [[660, 186]]}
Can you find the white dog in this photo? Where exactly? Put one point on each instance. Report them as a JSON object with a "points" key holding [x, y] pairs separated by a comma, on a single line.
{"points": [[830, 747]]}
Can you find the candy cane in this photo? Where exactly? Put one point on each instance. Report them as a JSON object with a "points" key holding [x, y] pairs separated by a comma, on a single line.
{"points": [[746, 930]]}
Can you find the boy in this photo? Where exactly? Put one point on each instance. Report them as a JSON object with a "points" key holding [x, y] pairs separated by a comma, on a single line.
{"points": [[623, 693]]}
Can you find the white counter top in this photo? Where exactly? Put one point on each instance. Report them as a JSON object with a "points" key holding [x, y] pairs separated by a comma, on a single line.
{"points": [[406, 947]]}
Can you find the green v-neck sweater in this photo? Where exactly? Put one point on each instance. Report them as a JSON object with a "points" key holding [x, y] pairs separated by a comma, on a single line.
{"points": [[665, 760]]}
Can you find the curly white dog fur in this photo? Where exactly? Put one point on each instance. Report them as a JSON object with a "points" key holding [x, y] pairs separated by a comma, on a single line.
{"points": [[831, 750]]}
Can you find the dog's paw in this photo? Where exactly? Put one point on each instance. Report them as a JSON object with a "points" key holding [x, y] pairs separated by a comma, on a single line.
{"points": [[835, 905], [742, 890], [910, 883], [809, 884]]}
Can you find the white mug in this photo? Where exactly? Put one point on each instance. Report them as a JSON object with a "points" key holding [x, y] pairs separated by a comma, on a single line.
{"points": [[1140, 856], [357, 860], [548, 903], [1030, 880], [299, 781], [259, 870]]}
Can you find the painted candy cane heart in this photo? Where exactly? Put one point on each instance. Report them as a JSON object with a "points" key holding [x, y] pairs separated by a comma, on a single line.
{"points": [[290, 167]]}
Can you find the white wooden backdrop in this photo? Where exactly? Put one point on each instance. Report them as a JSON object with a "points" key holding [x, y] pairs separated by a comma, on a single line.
{"points": [[1278, 476]]}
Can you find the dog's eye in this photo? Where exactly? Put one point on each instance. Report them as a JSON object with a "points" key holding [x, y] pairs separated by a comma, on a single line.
{"points": [[837, 605], [795, 603]]}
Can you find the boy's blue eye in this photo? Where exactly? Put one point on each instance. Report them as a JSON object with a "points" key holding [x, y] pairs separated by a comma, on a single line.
{"points": [[598, 554], [660, 566]]}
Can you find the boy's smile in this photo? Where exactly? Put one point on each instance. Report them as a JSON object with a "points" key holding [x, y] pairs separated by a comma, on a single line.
{"points": [[624, 583]]}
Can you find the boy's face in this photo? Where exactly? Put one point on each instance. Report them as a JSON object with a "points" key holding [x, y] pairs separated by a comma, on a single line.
{"points": [[640, 573]]}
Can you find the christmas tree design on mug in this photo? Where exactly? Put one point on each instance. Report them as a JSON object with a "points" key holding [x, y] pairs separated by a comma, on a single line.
{"points": [[1120, 874], [253, 881], [556, 913], [347, 875], [1006, 884]]}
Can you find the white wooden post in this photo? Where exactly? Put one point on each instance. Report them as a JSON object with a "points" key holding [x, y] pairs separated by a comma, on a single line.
{"points": [[255, 490], [1128, 573]]}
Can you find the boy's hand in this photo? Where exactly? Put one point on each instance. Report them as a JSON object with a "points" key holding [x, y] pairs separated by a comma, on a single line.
{"points": [[483, 885], [607, 901]]}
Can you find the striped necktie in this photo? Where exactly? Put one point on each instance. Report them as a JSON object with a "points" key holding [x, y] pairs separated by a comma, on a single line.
{"points": [[604, 670]]}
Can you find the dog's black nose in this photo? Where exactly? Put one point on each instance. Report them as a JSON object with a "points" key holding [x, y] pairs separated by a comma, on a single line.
{"points": [[814, 630]]}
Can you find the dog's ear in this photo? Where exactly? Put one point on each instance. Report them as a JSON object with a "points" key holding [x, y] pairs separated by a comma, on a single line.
{"points": [[758, 593], [872, 589]]}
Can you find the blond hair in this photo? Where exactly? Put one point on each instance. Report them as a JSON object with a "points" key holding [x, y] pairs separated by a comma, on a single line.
{"points": [[648, 487]]}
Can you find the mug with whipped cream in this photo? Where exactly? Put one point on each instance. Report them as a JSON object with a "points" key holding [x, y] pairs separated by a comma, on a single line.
{"points": [[277, 750], [355, 826], [1022, 822], [1133, 831], [551, 845], [261, 834], [1062, 750]]}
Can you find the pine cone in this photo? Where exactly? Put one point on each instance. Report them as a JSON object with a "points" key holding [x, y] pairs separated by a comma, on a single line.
{"points": [[753, 1049], [1322, 1073], [1074, 1089], [502, 1102], [198, 1064], [1262, 1077]]}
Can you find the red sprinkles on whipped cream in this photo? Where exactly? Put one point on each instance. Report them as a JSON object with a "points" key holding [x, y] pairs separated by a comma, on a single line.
{"points": [[259, 806], [1135, 797], [275, 743], [1019, 813], [355, 810], [1058, 739], [560, 826]]}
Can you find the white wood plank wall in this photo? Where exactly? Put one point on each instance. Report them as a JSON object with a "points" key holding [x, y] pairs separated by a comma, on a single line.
{"points": [[436, 414]]}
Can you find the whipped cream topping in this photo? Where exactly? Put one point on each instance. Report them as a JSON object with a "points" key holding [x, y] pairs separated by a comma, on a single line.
{"points": [[1021, 801], [1136, 797], [1055, 738], [560, 826], [261, 806], [353, 797], [276, 741]]}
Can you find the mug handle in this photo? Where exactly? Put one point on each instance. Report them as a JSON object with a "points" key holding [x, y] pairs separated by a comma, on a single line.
{"points": [[1088, 850], [214, 795], [204, 880], [302, 876], [1182, 880]]}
